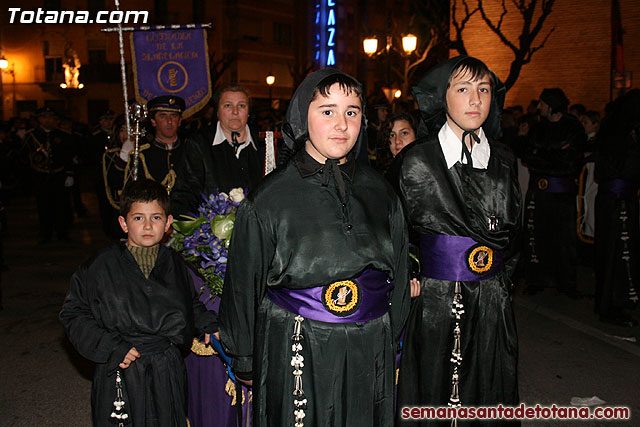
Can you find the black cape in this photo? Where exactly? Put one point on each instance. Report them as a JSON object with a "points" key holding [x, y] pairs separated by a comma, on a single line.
{"points": [[292, 232], [111, 307], [458, 201], [207, 168]]}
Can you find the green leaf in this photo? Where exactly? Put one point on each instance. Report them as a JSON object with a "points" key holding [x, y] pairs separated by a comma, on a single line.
{"points": [[187, 227], [222, 226]]}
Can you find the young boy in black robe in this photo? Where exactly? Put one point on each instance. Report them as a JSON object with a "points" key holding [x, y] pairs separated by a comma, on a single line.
{"points": [[461, 195], [131, 309], [309, 310]]}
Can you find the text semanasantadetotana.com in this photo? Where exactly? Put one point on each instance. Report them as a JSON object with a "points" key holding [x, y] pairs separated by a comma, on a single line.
{"points": [[522, 412]]}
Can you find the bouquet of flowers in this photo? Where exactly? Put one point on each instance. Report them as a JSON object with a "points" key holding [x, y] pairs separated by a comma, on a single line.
{"points": [[203, 238]]}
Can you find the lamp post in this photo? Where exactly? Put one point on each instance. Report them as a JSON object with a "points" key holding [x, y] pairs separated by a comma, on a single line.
{"points": [[409, 47], [4, 65], [270, 79]]}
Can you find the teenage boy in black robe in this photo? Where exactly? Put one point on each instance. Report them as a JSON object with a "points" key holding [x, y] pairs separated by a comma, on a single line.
{"points": [[314, 255], [617, 225], [132, 309], [461, 194]]}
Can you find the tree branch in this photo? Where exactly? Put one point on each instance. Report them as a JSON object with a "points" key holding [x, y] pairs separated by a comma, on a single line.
{"points": [[536, 48], [458, 43], [496, 29]]}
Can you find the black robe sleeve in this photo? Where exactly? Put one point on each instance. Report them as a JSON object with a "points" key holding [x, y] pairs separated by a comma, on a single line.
{"points": [[400, 297], [245, 284], [87, 335]]}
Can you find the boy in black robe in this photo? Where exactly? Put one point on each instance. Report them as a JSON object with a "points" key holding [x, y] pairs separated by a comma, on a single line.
{"points": [[131, 309], [309, 309], [462, 197]]}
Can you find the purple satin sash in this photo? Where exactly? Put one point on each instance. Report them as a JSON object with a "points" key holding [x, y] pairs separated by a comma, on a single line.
{"points": [[373, 294], [552, 184], [622, 188], [447, 257]]}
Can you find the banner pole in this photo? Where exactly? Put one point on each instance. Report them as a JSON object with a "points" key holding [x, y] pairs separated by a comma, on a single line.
{"points": [[123, 77]]}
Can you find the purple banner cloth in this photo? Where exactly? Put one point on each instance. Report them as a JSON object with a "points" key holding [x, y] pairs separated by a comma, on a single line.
{"points": [[622, 188], [209, 405], [374, 294], [552, 184], [446, 257], [172, 62]]}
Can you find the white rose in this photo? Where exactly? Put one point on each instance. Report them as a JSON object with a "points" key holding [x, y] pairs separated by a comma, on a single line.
{"points": [[236, 195]]}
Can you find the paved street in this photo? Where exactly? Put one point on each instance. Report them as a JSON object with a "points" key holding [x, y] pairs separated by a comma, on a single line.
{"points": [[564, 351]]}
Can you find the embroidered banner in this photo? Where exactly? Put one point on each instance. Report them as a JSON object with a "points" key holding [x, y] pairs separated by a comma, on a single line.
{"points": [[172, 62]]}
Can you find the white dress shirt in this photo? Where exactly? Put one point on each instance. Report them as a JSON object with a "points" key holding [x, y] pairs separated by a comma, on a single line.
{"points": [[220, 137], [452, 148]]}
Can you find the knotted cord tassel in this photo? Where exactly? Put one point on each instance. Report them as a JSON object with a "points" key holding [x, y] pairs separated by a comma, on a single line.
{"points": [[119, 415], [626, 254], [457, 309], [532, 228], [297, 362]]}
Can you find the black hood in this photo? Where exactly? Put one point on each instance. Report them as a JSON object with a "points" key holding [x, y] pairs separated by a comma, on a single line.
{"points": [[431, 92], [295, 129]]}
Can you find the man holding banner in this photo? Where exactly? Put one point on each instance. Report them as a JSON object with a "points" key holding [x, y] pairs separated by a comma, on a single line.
{"points": [[159, 157]]}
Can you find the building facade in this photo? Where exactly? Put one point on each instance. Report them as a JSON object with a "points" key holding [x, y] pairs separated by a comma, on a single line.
{"points": [[576, 56]]}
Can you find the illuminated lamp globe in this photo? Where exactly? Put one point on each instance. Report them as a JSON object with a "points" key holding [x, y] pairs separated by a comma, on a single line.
{"points": [[81, 85], [271, 79], [4, 63], [370, 45], [397, 93], [63, 85], [409, 43]]}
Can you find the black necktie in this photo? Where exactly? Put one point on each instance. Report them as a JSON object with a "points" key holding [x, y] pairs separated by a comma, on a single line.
{"points": [[234, 142], [331, 168], [465, 151]]}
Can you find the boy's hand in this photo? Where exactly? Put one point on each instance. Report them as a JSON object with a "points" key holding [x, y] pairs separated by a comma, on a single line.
{"points": [[217, 335], [207, 338], [415, 287], [129, 358]]}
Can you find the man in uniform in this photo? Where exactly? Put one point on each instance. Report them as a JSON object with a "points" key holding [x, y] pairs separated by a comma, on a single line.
{"points": [[163, 150], [102, 139], [553, 151], [220, 157], [51, 159]]}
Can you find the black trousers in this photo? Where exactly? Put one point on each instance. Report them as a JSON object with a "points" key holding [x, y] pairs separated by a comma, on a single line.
{"points": [[550, 240]]}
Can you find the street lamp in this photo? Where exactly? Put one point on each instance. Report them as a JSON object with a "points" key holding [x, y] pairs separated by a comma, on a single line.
{"points": [[270, 79], [409, 47], [4, 64], [370, 45], [409, 43]]}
